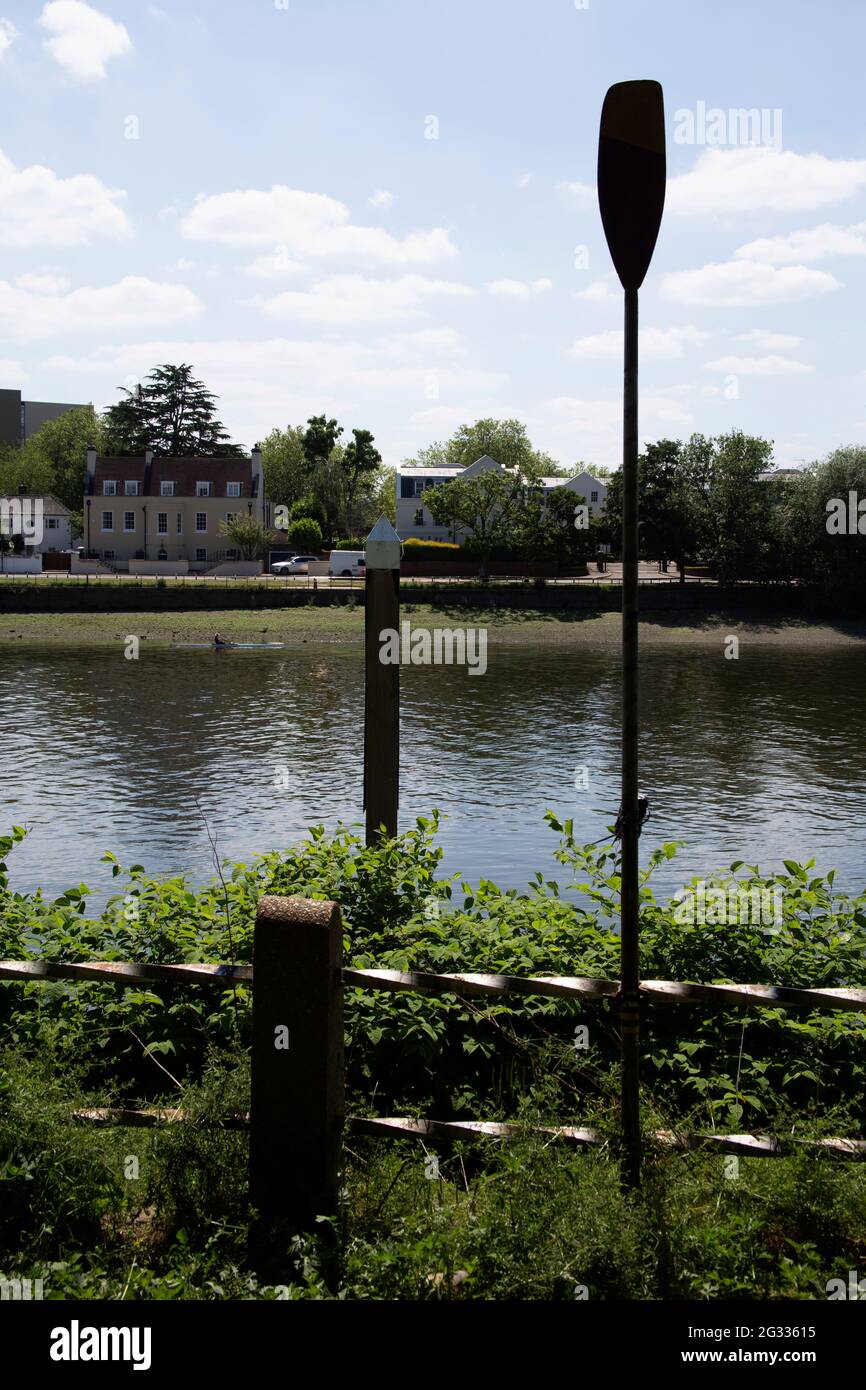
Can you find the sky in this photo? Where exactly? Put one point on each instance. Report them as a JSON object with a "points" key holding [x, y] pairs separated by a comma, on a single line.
{"points": [[385, 210]]}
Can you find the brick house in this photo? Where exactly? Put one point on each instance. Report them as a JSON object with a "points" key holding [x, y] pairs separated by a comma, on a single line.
{"points": [[142, 508]]}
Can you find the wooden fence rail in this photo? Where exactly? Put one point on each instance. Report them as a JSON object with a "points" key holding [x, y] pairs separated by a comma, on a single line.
{"points": [[849, 1000], [296, 1109]]}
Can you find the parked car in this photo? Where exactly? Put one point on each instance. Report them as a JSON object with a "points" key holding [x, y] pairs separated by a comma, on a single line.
{"points": [[297, 565], [348, 563]]}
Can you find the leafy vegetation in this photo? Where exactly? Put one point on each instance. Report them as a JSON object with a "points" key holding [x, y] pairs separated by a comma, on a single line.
{"points": [[527, 1220]]}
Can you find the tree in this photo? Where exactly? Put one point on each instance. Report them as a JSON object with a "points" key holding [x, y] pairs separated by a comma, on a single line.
{"points": [[19, 466], [286, 466], [54, 459], [320, 439], [305, 535], [821, 531], [359, 458], [503, 440], [557, 537], [727, 504], [172, 413], [248, 536], [492, 506], [308, 507]]}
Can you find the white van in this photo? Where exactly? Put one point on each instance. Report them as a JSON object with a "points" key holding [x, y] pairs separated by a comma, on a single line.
{"points": [[349, 563]]}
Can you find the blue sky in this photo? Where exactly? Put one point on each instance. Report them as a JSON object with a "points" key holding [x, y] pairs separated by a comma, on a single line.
{"points": [[254, 189]]}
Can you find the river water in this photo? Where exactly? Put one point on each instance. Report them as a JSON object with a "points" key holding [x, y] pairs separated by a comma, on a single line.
{"points": [[760, 758]]}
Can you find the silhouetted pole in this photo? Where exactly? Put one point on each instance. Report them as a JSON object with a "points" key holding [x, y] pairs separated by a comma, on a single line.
{"points": [[381, 681], [631, 193]]}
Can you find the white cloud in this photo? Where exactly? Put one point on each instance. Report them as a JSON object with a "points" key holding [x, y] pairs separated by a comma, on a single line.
{"points": [[11, 370], [758, 179], [576, 189], [307, 226], [656, 344], [745, 283], [518, 289], [599, 292], [759, 366], [133, 302], [524, 181], [280, 379], [813, 244], [381, 199], [43, 282], [40, 209], [84, 39], [581, 428], [345, 299], [8, 35], [274, 266], [769, 342]]}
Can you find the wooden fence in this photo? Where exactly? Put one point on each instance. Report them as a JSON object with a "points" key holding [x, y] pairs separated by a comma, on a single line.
{"points": [[296, 1112]]}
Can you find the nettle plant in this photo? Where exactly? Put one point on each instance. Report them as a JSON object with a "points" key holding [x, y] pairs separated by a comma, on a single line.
{"points": [[441, 1054]]}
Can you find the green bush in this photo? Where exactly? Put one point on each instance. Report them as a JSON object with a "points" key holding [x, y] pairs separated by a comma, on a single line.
{"points": [[305, 535], [521, 1221], [431, 550]]}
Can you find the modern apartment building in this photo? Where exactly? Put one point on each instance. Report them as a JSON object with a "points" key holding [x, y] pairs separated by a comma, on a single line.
{"points": [[168, 509], [414, 520], [19, 419]]}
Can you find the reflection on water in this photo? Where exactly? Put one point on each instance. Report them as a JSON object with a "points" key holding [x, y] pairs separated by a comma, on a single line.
{"points": [[757, 759]]}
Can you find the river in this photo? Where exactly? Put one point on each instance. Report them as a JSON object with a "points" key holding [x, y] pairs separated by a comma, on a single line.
{"points": [[759, 759]]}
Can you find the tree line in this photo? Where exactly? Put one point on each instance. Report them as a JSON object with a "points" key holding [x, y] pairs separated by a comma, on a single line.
{"points": [[325, 486]]}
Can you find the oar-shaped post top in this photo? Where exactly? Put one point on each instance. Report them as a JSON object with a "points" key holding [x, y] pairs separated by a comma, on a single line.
{"points": [[631, 176]]}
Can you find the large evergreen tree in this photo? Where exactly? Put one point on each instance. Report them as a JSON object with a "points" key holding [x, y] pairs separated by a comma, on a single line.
{"points": [[170, 412]]}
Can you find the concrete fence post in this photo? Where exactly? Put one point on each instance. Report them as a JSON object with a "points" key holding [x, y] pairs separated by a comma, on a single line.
{"points": [[296, 1105]]}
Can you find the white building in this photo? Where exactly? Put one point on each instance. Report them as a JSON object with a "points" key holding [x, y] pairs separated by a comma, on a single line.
{"points": [[414, 521], [43, 523]]}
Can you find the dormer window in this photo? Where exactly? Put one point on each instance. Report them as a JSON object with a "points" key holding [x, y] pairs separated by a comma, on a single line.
{"points": [[109, 487], [130, 487], [167, 489], [233, 489], [202, 489]]}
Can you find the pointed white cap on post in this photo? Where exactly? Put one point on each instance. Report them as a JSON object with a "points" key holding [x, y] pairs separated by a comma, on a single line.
{"points": [[383, 547]]}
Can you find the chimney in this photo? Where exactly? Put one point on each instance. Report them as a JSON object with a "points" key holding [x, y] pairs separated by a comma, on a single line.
{"points": [[148, 456], [91, 459]]}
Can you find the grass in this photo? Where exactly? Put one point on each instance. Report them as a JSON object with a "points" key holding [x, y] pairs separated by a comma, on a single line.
{"points": [[492, 1222], [344, 623]]}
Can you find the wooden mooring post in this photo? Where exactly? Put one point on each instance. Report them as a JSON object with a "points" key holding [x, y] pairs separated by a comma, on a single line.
{"points": [[382, 680], [296, 1104]]}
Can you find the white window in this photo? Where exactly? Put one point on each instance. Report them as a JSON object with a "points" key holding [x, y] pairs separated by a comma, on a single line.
{"points": [[180, 523], [420, 484], [130, 487], [201, 521], [166, 489], [593, 496], [109, 487], [108, 521], [129, 521], [53, 523], [233, 489], [202, 489], [201, 554], [162, 523], [230, 515]]}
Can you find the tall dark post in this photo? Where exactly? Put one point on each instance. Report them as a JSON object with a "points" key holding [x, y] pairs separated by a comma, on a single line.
{"points": [[382, 680], [631, 195], [629, 1015]]}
